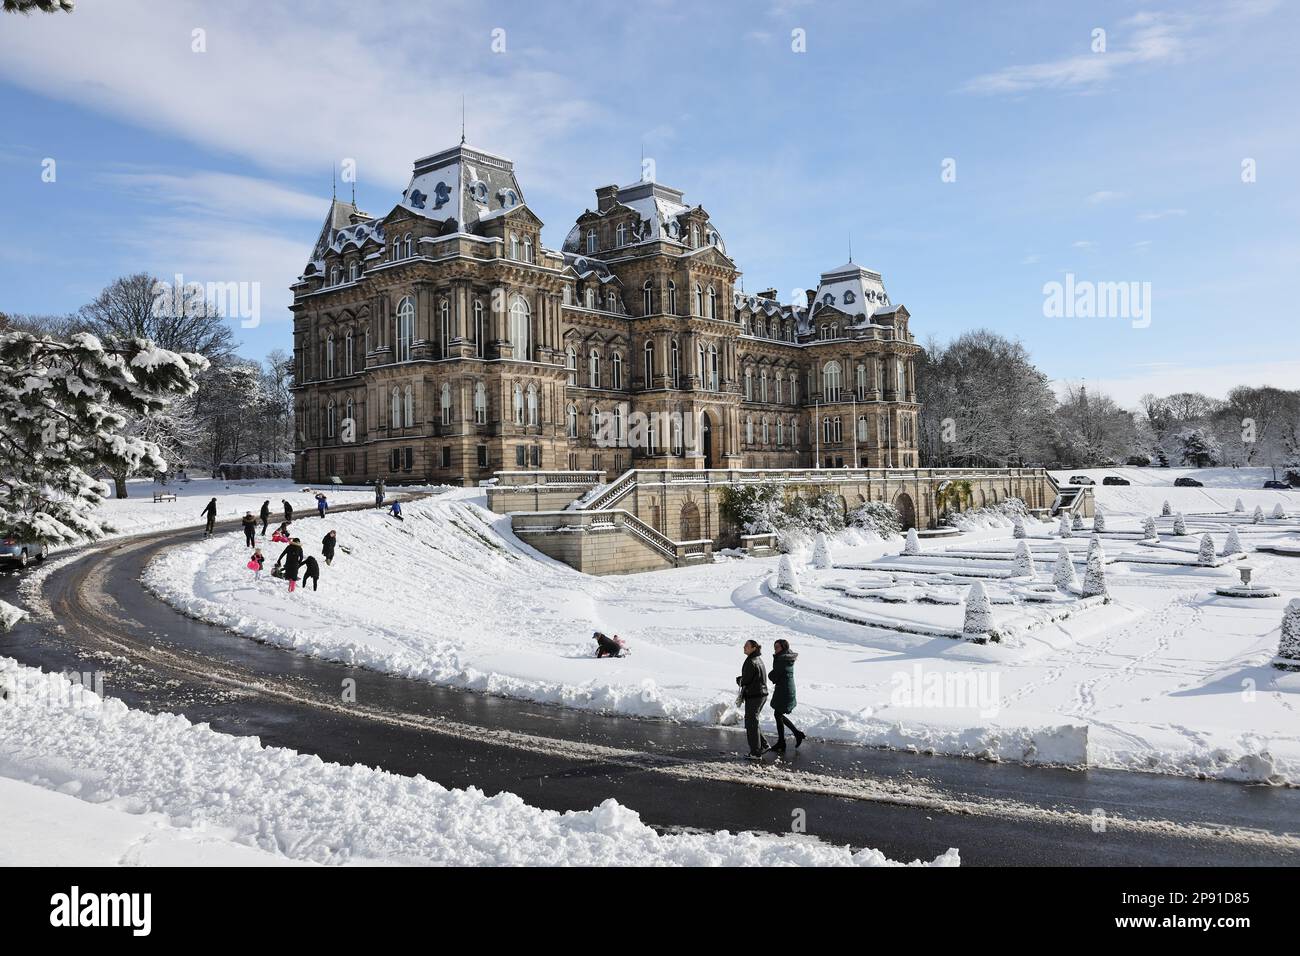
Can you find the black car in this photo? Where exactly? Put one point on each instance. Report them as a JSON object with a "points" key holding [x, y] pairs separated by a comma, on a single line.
{"points": [[1277, 485], [1185, 482], [1114, 480]]}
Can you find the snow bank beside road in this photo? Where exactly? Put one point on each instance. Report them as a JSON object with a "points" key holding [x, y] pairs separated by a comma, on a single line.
{"points": [[232, 793]]}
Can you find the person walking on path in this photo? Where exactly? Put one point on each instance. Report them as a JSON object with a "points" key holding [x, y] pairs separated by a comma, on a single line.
{"points": [[266, 516], [321, 504], [311, 572], [210, 512], [379, 493], [783, 700], [327, 546], [292, 558], [250, 529], [288, 510], [396, 510], [753, 693]]}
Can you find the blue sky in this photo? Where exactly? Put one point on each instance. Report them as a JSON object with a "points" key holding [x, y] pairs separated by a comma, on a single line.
{"points": [[1116, 166]]}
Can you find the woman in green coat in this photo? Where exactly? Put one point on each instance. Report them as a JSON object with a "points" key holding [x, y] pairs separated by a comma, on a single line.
{"points": [[783, 699]]}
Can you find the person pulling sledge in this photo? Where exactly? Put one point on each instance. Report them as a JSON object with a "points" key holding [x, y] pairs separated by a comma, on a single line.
{"points": [[609, 646]]}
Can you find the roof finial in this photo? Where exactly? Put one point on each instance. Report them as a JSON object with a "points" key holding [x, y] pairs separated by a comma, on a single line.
{"points": [[850, 245], [462, 119], [354, 192], [334, 184]]}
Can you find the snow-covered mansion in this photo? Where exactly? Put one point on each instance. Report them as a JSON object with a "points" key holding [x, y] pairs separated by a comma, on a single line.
{"points": [[443, 341]]}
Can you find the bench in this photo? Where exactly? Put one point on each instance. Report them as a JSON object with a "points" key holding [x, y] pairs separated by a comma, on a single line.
{"points": [[163, 496]]}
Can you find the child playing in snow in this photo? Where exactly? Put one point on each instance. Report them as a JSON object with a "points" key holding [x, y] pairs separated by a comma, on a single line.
{"points": [[257, 562], [281, 534], [396, 511], [608, 646]]}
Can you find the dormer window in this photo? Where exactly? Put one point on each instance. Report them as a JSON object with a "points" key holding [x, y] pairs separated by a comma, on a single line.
{"points": [[334, 276], [622, 234], [352, 272], [591, 242], [695, 236], [849, 297], [828, 299]]}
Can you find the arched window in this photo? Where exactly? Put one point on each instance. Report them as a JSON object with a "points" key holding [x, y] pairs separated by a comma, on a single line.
{"points": [[571, 417], [532, 404], [334, 276], [514, 246], [352, 272], [676, 366], [647, 298], [649, 364], [410, 406], [765, 431], [616, 371], [794, 388], [591, 242], [480, 404], [595, 422], [861, 381], [519, 328], [571, 363], [444, 324], [749, 384], [618, 424], [762, 385], [679, 446], [699, 300], [593, 369], [713, 303], [749, 429], [410, 249], [395, 409], [348, 360], [672, 297], [611, 301], [777, 381], [700, 367], [405, 328], [329, 355], [480, 329], [862, 428], [622, 234], [591, 298], [902, 380], [519, 404], [329, 419], [713, 368], [780, 430], [446, 403], [528, 248], [397, 249], [831, 382]]}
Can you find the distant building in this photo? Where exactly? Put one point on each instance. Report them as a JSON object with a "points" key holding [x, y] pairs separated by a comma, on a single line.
{"points": [[443, 342]]}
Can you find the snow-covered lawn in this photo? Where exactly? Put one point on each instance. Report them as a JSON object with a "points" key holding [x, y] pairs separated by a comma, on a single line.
{"points": [[88, 781], [1168, 678]]}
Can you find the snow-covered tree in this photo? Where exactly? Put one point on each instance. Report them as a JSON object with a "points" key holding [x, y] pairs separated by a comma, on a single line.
{"points": [[1279, 511], [1258, 516], [1180, 524], [1022, 566], [978, 621], [1166, 509], [1206, 555], [1064, 528], [1239, 507], [913, 543], [1094, 576], [60, 431], [1063, 573], [821, 556], [1018, 527], [1076, 523], [1098, 521], [1233, 544], [1149, 531], [787, 579], [1288, 648]]}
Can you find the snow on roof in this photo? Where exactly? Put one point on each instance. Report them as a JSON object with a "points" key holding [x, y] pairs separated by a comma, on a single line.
{"points": [[659, 208], [854, 290], [462, 184]]}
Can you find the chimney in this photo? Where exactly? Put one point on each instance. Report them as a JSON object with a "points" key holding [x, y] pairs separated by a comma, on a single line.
{"points": [[767, 294], [606, 196], [812, 295]]}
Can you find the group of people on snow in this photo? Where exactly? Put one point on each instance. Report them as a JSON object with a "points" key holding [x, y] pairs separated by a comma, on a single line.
{"points": [[292, 559]]}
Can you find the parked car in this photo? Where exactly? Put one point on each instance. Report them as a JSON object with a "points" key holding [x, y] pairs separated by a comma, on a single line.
{"points": [[1186, 482], [1277, 485], [22, 552], [1081, 480], [1114, 480]]}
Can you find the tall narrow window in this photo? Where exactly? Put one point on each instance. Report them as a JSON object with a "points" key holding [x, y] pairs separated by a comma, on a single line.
{"points": [[480, 329], [714, 372], [329, 419], [514, 246], [528, 248], [699, 300], [831, 382], [329, 355], [591, 242], [410, 406], [409, 247], [480, 404], [861, 382], [616, 371], [676, 366], [571, 418], [352, 272], [762, 385], [672, 297], [713, 303], [348, 367], [532, 405], [622, 234], [519, 404], [405, 328], [593, 369], [395, 409], [446, 403], [444, 324], [647, 298], [749, 384], [571, 363], [520, 327], [649, 365]]}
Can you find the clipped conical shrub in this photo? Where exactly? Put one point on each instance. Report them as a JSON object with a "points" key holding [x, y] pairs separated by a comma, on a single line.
{"points": [[1233, 544], [1149, 531], [1279, 511], [1258, 516], [1018, 527], [978, 622], [1098, 521], [1165, 510], [1022, 565], [1094, 577], [1064, 528], [1076, 523], [1180, 524], [1288, 647], [1206, 555], [786, 577], [913, 544], [1063, 575], [1239, 506], [821, 556]]}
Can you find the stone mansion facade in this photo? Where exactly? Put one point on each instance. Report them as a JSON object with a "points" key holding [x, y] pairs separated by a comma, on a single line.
{"points": [[444, 342]]}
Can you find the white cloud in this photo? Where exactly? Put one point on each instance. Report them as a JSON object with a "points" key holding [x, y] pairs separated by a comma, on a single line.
{"points": [[1152, 215], [1213, 380], [1104, 195], [218, 194], [1083, 244]]}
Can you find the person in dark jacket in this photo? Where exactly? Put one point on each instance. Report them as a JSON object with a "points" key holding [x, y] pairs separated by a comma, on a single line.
{"points": [[250, 529], [607, 646], [321, 504], [266, 516], [311, 572], [380, 493], [291, 557], [327, 546], [753, 691], [288, 510], [210, 512], [782, 678]]}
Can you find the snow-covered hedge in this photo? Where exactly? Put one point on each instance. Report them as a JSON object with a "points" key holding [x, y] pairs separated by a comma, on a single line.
{"points": [[879, 517], [764, 507], [244, 470]]}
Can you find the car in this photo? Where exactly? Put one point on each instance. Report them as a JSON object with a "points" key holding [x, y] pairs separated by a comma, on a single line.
{"points": [[22, 552], [1277, 485], [1185, 482], [1114, 480], [1081, 480]]}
